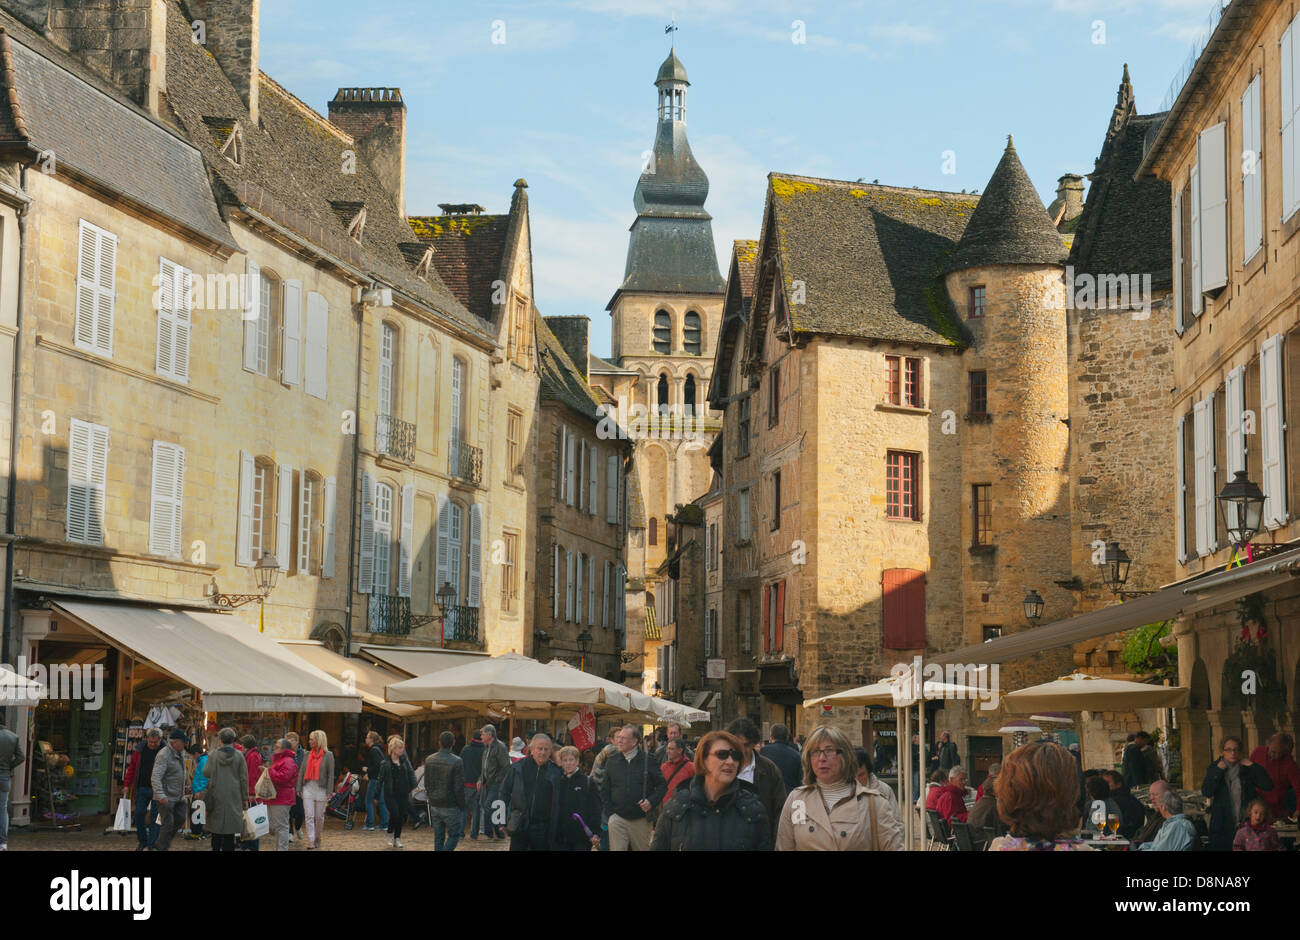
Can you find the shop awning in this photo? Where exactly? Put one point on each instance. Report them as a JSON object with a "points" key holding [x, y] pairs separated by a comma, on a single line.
{"points": [[418, 660], [368, 679], [232, 666], [1186, 597]]}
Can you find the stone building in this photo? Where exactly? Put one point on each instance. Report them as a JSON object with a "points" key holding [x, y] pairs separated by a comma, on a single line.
{"points": [[581, 486], [664, 320]]}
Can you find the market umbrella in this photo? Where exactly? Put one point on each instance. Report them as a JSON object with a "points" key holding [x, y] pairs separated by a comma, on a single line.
{"points": [[1053, 718], [1079, 692]]}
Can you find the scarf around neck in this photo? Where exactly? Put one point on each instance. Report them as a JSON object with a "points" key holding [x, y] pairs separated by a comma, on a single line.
{"points": [[313, 765]]}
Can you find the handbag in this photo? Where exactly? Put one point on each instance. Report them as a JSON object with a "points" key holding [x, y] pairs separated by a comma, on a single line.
{"points": [[122, 822], [265, 789], [257, 822]]}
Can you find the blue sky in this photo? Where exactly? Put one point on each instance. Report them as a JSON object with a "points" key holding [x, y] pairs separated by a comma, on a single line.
{"points": [[879, 89]]}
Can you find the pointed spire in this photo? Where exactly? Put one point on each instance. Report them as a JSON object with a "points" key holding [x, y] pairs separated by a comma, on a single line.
{"points": [[1124, 105], [1009, 224]]}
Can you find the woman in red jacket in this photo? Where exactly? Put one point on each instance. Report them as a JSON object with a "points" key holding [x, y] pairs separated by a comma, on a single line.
{"points": [[253, 758], [284, 774]]}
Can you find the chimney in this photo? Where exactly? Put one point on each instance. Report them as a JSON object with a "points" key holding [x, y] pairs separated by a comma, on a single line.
{"points": [[123, 40], [229, 32], [376, 119], [1068, 204], [572, 334]]}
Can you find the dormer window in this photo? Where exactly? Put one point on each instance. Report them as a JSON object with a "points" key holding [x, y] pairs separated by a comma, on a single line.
{"points": [[358, 225], [424, 264], [352, 215], [227, 138]]}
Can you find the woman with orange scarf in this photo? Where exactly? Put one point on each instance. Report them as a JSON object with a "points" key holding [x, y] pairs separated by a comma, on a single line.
{"points": [[315, 779]]}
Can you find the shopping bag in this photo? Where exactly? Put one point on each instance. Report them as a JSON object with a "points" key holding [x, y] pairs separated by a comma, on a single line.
{"points": [[265, 789], [257, 822], [122, 822]]}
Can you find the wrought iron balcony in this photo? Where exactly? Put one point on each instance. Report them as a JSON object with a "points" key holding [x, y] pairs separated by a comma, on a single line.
{"points": [[462, 626], [389, 614], [465, 462], [395, 438]]}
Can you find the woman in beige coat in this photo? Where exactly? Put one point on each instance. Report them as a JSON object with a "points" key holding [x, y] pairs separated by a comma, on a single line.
{"points": [[832, 811]]}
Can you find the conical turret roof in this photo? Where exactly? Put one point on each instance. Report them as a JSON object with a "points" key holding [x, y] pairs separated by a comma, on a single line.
{"points": [[1010, 225]]}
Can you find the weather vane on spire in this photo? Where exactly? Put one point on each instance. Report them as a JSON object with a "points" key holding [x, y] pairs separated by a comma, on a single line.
{"points": [[671, 30]]}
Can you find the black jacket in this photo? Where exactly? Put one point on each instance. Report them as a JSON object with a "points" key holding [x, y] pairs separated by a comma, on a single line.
{"points": [[397, 780], [1223, 822], [626, 783], [578, 795], [946, 755], [786, 757], [1132, 813], [769, 786], [472, 758], [690, 823], [375, 761], [521, 797], [444, 780]]}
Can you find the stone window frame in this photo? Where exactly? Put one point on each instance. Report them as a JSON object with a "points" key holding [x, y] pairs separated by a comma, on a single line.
{"points": [[895, 502], [981, 495], [978, 392], [977, 302]]}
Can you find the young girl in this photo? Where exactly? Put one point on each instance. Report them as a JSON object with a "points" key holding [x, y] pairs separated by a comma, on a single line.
{"points": [[1256, 833]]}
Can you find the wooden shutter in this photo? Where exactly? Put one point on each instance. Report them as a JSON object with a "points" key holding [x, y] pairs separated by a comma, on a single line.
{"points": [[443, 572], [1233, 408], [406, 541], [611, 489], [1180, 314], [780, 616], [306, 495], [1198, 302], [291, 348], [244, 523], [87, 478], [1272, 428], [570, 452], [559, 463], [284, 518], [593, 481], [387, 340], [366, 546], [1289, 75], [568, 584], [327, 543], [580, 564], [163, 362], [1212, 154], [1180, 502], [591, 590], [96, 286], [107, 289], [903, 608], [604, 607], [582, 475], [167, 489], [316, 375], [475, 555], [1252, 206], [1202, 445], [252, 312], [457, 418], [767, 617], [555, 584]]}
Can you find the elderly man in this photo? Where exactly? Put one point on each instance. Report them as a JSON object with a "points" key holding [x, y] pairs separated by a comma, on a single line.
{"points": [[1277, 760], [168, 782], [1177, 834], [496, 761], [1154, 819], [628, 791], [674, 734], [533, 792], [677, 770], [1231, 782], [139, 783], [951, 802]]}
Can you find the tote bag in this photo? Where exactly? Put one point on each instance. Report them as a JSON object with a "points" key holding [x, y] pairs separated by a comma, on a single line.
{"points": [[257, 822], [122, 822]]}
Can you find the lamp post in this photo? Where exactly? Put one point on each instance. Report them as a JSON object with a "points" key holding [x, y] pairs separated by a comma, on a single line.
{"points": [[265, 573], [1241, 507], [584, 647], [446, 597], [1033, 607]]}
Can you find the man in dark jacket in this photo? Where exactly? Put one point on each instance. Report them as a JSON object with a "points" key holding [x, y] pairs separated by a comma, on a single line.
{"points": [[782, 753], [1132, 814], [11, 755], [945, 753], [472, 759], [1139, 762], [444, 788], [139, 781], [632, 784], [1232, 782], [761, 774], [496, 761], [534, 798]]}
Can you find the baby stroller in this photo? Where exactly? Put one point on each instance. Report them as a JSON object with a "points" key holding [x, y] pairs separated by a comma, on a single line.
{"points": [[342, 804]]}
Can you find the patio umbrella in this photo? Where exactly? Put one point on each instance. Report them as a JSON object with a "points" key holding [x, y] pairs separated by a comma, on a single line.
{"points": [[642, 707], [1053, 718], [1079, 692]]}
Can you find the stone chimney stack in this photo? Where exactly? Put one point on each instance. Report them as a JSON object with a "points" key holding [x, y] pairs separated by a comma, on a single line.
{"points": [[229, 32], [123, 40], [572, 334], [376, 120], [1068, 204]]}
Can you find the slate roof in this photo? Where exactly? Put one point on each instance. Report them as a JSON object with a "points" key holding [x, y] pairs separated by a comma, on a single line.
{"points": [[672, 70], [597, 364], [467, 251], [1010, 225], [1126, 225], [560, 379], [291, 171], [98, 135], [735, 313], [869, 256]]}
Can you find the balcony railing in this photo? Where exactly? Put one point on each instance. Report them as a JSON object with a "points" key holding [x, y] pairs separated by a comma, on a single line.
{"points": [[465, 462], [389, 614], [462, 626], [395, 438]]}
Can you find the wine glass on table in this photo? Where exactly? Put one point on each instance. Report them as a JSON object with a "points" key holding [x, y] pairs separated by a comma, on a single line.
{"points": [[1112, 823]]}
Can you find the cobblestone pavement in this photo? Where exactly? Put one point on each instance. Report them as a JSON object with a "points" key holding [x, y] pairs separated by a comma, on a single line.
{"points": [[336, 839]]}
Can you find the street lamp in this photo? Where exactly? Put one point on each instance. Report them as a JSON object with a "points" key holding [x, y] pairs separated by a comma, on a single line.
{"points": [[446, 597], [1114, 567], [265, 573], [584, 647], [1033, 606], [1241, 507]]}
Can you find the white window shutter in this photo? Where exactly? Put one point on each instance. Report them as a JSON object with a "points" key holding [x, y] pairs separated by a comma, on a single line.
{"points": [[98, 484], [1233, 406], [611, 489], [327, 542], [1290, 102], [244, 523], [475, 555], [604, 606], [87, 284], [1200, 474], [366, 547], [291, 348], [406, 542], [316, 367], [580, 565], [252, 313], [568, 584], [593, 481], [166, 494], [306, 495], [1198, 302], [591, 590], [79, 499], [582, 474], [1212, 155], [570, 468], [1272, 428], [559, 464], [1180, 315], [442, 574], [106, 294], [555, 584], [165, 358], [284, 518], [1180, 500], [1252, 207], [184, 319], [1211, 432]]}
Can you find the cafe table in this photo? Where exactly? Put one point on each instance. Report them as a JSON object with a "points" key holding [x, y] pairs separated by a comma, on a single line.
{"points": [[1107, 843]]}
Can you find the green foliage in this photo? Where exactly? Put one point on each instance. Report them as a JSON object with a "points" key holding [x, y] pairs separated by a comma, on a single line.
{"points": [[1144, 656]]}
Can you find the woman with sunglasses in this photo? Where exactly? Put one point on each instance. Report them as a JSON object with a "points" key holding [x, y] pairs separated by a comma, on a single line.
{"points": [[833, 811], [714, 813]]}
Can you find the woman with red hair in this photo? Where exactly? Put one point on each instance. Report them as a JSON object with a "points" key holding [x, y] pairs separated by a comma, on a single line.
{"points": [[1038, 795]]}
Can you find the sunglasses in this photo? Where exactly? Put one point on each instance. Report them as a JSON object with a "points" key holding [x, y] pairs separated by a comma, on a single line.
{"points": [[726, 754]]}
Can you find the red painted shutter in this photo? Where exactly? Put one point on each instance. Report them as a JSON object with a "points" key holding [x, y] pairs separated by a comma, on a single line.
{"points": [[780, 616], [767, 613], [904, 608], [915, 606]]}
